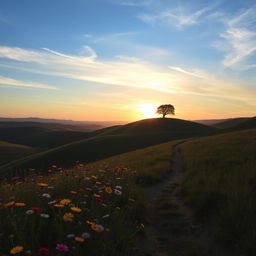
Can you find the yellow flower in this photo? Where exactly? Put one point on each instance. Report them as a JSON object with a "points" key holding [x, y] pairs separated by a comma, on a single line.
{"points": [[98, 183], [16, 249], [65, 201], [42, 184], [79, 239], [9, 204], [109, 190], [20, 204], [58, 205], [68, 216], [75, 209]]}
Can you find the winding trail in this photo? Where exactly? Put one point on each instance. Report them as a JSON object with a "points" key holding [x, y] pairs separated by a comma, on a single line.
{"points": [[152, 245]]}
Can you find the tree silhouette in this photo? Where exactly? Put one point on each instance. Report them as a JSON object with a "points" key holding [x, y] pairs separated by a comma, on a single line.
{"points": [[166, 109]]}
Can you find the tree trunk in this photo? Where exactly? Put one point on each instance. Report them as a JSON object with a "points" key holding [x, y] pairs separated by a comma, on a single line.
{"points": [[164, 115]]}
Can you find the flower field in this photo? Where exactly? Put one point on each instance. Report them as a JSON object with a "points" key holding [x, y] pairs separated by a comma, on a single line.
{"points": [[71, 212]]}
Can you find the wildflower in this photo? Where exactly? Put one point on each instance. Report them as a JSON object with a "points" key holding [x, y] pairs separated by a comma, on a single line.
{"points": [[109, 190], [131, 200], [43, 251], [96, 195], [42, 184], [75, 209], [73, 192], [79, 239], [68, 216], [65, 201], [97, 227], [88, 189], [86, 235], [50, 187], [14, 178], [46, 195], [35, 209], [11, 203], [58, 205], [70, 235], [20, 204], [105, 216], [45, 215], [29, 212], [62, 248], [118, 187], [16, 249], [118, 192]]}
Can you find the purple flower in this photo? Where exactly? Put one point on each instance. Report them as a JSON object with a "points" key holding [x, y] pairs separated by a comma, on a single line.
{"points": [[62, 248]]}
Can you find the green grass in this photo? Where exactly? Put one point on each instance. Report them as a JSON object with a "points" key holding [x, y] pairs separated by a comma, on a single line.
{"points": [[219, 184], [152, 164], [10, 151]]}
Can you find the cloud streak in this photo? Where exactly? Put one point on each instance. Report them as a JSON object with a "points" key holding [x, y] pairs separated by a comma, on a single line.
{"points": [[239, 40], [7, 82], [130, 72]]}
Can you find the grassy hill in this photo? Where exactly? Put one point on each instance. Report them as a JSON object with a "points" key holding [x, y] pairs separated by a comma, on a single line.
{"points": [[243, 125], [228, 123], [10, 151], [219, 183], [112, 141]]}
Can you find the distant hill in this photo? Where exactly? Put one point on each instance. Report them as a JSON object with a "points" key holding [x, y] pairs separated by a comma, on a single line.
{"points": [[61, 121], [243, 125], [218, 122], [230, 122], [10, 152], [111, 141]]}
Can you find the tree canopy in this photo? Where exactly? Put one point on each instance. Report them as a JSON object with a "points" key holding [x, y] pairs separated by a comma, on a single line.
{"points": [[166, 109]]}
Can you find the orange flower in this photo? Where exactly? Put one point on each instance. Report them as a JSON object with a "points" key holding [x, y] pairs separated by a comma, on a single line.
{"points": [[16, 249], [109, 190], [58, 205], [9, 204], [96, 195], [73, 192], [42, 184], [75, 209], [79, 239], [20, 204], [65, 201], [68, 216]]}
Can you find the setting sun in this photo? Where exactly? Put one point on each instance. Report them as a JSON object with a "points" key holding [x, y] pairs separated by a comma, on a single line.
{"points": [[147, 110]]}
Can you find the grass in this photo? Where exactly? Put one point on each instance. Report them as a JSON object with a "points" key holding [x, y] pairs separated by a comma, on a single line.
{"points": [[92, 189], [152, 164], [219, 184], [94, 211], [10, 151]]}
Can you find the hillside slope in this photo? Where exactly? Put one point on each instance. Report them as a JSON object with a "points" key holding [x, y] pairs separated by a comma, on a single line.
{"points": [[114, 141], [10, 152]]}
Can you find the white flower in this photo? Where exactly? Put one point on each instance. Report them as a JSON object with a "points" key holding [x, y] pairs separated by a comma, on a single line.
{"points": [[118, 187], [29, 212], [85, 235], [46, 195], [45, 215], [105, 216], [118, 192], [70, 235]]}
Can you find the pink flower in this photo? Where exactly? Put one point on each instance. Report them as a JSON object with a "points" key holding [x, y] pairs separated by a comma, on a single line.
{"points": [[43, 251], [35, 209], [15, 178], [62, 248]]}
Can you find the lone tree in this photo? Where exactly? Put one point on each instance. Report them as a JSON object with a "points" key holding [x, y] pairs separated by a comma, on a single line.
{"points": [[166, 109]]}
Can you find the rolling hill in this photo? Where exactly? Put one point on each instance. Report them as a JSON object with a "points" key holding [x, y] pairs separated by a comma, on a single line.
{"points": [[243, 125], [228, 123], [10, 151], [112, 141]]}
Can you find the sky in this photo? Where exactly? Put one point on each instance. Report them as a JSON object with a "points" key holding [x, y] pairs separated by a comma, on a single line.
{"points": [[118, 60]]}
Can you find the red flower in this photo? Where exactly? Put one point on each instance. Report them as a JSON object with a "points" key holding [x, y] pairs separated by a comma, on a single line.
{"points": [[43, 251], [35, 209]]}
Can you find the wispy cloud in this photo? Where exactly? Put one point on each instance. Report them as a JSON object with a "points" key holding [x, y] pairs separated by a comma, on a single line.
{"points": [[123, 72], [7, 82], [133, 2], [239, 42], [177, 17]]}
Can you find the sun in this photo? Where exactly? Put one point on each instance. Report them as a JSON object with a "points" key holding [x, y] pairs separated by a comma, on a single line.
{"points": [[147, 110]]}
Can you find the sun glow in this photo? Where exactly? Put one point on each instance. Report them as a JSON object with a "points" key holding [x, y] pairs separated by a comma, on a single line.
{"points": [[147, 110]]}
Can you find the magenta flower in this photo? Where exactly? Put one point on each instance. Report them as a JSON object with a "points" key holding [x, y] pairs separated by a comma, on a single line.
{"points": [[62, 248]]}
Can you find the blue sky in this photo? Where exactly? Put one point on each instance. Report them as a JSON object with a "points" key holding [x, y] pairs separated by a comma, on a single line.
{"points": [[103, 59]]}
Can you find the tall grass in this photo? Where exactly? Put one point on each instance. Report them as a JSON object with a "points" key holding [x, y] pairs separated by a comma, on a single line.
{"points": [[219, 182]]}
